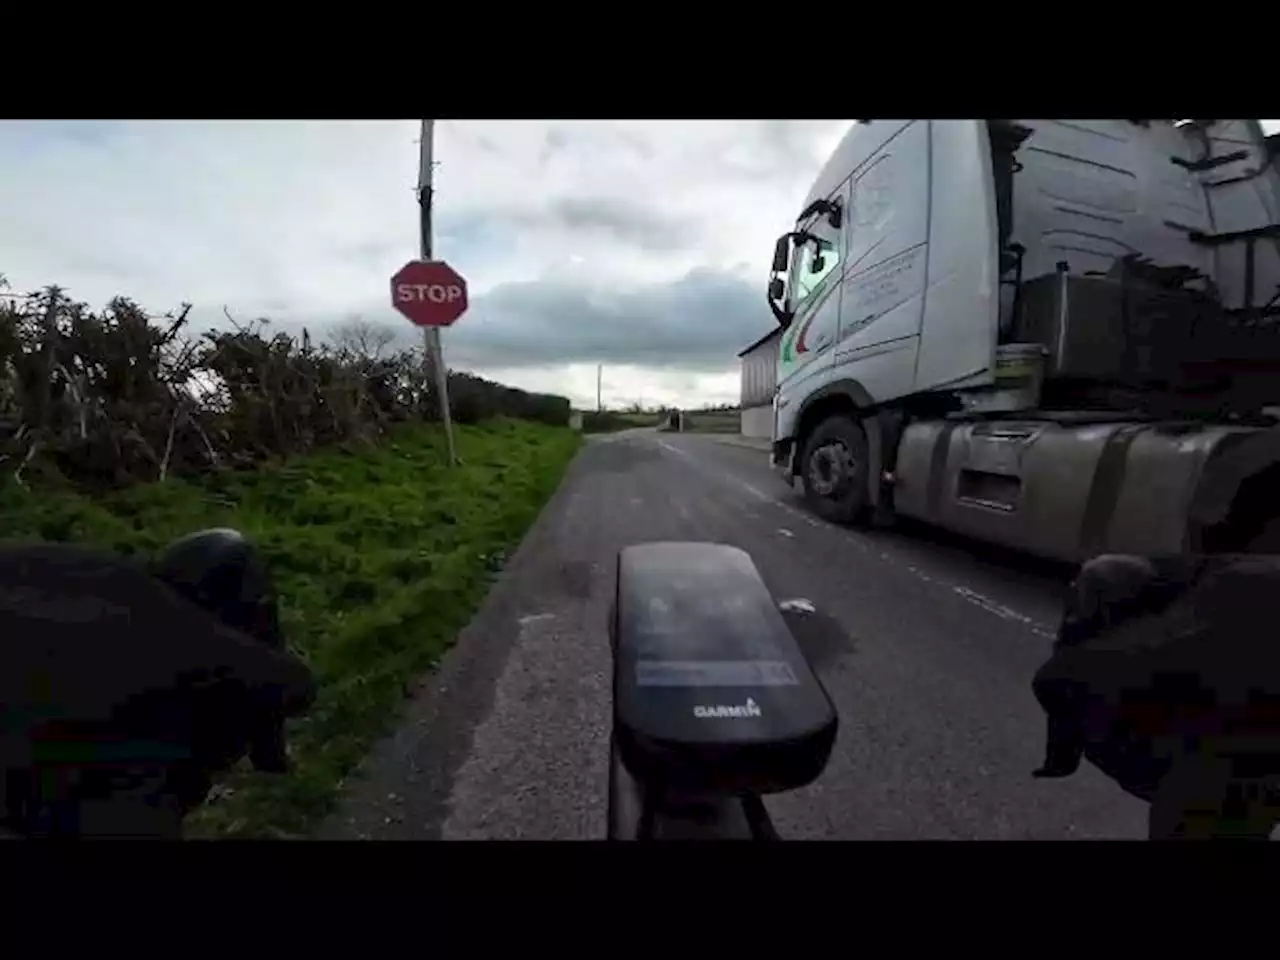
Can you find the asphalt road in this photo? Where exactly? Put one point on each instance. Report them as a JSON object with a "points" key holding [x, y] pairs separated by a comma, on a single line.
{"points": [[928, 653]]}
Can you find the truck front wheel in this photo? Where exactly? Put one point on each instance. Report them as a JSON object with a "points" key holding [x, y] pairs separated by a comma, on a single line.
{"points": [[833, 468]]}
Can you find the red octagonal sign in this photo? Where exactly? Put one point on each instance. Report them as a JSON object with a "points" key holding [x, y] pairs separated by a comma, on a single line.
{"points": [[429, 292]]}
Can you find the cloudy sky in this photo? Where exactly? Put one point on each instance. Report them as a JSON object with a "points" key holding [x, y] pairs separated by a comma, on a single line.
{"points": [[640, 245]]}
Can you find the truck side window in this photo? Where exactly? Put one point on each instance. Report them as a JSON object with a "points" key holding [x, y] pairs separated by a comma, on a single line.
{"points": [[814, 262]]}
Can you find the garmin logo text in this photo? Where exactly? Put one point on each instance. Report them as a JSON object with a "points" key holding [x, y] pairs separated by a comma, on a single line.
{"points": [[748, 709]]}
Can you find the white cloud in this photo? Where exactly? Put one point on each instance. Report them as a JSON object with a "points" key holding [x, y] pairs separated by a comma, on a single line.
{"points": [[642, 245], [304, 222], [621, 386]]}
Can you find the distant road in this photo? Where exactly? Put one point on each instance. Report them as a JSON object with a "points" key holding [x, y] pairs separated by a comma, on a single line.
{"points": [[928, 655]]}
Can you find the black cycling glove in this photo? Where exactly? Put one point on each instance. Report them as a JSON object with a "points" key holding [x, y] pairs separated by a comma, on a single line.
{"points": [[120, 698], [1163, 661]]}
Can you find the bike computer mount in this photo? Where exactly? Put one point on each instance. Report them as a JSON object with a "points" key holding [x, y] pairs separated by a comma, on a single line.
{"points": [[713, 698]]}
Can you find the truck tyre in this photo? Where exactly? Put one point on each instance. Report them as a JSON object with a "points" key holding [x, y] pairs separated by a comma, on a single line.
{"points": [[833, 469]]}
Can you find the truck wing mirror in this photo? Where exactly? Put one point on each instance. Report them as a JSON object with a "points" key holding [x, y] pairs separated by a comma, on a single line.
{"points": [[781, 253], [777, 291]]}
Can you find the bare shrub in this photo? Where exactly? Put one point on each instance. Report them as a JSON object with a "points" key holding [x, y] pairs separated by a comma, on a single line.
{"points": [[115, 397]]}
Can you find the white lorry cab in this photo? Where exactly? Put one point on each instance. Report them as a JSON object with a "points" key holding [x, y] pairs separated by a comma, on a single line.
{"points": [[1009, 327]]}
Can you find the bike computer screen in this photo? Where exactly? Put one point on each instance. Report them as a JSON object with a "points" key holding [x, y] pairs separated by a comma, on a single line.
{"points": [[711, 690]]}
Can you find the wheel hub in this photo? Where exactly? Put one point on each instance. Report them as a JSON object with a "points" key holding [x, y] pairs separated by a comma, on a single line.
{"points": [[831, 469]]}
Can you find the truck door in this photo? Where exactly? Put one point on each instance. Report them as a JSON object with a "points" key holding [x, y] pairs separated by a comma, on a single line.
{"points": [[959, 328], [813, 294], [886, 251]]}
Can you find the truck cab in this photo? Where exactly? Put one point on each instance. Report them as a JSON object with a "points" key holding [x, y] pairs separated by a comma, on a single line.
{"points": [[890, 275]]}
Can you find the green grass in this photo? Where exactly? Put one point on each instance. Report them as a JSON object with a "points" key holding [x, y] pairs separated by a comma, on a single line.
{"points": [[381, 556], [641, 419], [609, 421], [713, 422], [606, 421]]}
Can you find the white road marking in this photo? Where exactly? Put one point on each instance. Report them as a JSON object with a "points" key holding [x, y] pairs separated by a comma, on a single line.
{"points": [[988, 604], [798, 603], [801, 515], [965, 593], [1000, 610], [785, 532], [535, 617]]}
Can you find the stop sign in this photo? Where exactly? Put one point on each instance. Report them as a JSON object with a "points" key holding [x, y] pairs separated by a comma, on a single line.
{"points": [[429, 292]]}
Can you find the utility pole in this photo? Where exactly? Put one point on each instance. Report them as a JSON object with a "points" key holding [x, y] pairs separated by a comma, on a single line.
{"points": [[434, 349], [599, 380]]}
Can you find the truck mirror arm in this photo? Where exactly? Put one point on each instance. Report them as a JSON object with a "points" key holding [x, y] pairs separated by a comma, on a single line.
{"points": [[781, 314]]}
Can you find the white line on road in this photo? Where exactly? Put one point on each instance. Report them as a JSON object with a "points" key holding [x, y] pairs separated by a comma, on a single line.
{"points": [[1000, 610], [535, 617], [965, 593], [919, 573]]}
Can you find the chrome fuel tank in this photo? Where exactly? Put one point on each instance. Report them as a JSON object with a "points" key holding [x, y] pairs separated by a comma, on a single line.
{"points": [[1059, 488]]}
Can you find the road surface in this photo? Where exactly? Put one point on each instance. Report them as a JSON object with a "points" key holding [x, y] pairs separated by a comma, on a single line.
{"points": [[928, 657]]}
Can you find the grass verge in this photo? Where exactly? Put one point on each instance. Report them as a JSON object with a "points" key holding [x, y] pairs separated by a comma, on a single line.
{"points": [[712, 422], [381, 556], [609, 421]]}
